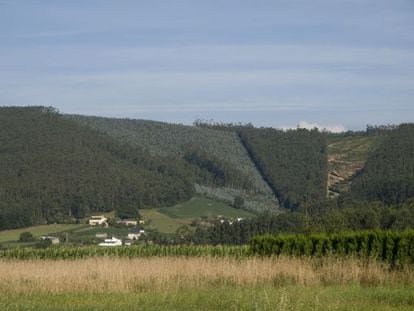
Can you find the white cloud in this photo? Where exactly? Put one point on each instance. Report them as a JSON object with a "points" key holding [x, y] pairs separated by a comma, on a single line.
{"points": [[333, 128]]}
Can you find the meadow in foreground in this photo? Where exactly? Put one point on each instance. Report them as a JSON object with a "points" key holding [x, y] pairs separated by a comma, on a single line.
{"points": [[205, 283]]}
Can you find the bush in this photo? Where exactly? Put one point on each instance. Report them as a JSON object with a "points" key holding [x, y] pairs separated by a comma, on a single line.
{"points": [[45, 243], [238, 202], [26, 237]]}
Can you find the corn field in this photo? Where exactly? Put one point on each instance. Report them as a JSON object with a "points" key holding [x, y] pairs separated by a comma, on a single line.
{"points": [[396, 248], [62, 252]]}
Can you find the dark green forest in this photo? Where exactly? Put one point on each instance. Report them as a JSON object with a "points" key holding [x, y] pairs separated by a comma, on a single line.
{"points": [[388, 175], [293, 162], [210, 170], [52, 169]]}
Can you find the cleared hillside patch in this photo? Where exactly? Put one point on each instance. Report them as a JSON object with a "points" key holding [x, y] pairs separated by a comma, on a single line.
{"points": [[347, 155]]}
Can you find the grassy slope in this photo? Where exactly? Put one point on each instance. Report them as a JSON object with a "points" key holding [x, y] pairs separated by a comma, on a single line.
{"points": [[203, 207], [13, 235], [161, 222], [169, 219], [347, 155], [169, 140]]}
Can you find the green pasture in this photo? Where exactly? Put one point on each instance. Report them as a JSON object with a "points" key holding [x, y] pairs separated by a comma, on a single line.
{"points": [[161, 222], [37, 231], [223, 297], [203, 207]]}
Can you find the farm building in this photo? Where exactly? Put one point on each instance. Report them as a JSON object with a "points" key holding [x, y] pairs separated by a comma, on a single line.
{"points": [[53, 239], [128, 222], [98, 221], [111, 242], [135, 234]]}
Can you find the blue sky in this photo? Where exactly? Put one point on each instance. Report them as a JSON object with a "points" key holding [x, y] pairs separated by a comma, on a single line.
{"points": [[337, 64]]}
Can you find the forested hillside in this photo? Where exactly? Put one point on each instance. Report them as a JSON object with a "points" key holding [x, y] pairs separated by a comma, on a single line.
{"points": [[388, 175], [293, 162], [222, 167], [52, 168]]}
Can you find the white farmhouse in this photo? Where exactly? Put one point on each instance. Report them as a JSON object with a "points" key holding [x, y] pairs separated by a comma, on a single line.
{"points": [[135, 235], [128, 222], [53, 239], [98, 221], [111, 242]]}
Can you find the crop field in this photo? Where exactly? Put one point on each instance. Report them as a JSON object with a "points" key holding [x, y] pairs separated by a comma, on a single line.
{"points": [[204, 283], [286, 272], [347, 271], [396, 248]]}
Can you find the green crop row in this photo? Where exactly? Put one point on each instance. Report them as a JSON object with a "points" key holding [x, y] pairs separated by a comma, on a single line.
{"points": [[63, 252], [396, 248]]}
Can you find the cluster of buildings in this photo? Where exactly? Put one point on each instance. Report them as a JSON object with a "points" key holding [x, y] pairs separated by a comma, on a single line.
{"points": [[101, 220], [133, 235], [231, 221]]}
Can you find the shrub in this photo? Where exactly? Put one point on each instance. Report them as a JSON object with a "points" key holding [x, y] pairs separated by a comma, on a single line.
{"points": [[26, 237]]}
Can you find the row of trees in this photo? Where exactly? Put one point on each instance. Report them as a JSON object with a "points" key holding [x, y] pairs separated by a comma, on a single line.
{"points": [[350, 215]]}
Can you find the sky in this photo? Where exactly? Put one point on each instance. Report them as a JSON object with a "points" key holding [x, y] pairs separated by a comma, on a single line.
{"points": [[334, 64]]}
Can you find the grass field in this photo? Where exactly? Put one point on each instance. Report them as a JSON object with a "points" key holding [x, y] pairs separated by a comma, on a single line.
{"points": [[160, 221], [91, 231], [204, 284], [203, 207], [169, 219], [13, 235]]}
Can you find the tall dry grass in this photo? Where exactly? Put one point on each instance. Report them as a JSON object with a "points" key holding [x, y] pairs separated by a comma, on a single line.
{"points": [[170, 273]]}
